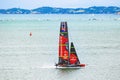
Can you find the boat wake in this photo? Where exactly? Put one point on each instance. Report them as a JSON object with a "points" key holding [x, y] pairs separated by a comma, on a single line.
{"points": [[48, 67]]}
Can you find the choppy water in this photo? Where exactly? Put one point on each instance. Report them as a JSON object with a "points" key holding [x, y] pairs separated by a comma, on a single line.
{"points": [[96, 38]]}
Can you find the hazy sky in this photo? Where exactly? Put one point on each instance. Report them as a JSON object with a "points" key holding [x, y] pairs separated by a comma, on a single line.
{"points": [[30, 4]]}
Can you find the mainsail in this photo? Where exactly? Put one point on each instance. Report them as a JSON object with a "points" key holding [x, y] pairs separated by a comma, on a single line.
{"points": [[63, 44]]}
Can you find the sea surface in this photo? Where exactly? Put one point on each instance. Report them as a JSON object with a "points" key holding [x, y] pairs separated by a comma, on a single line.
{"points": [[23, 57]]}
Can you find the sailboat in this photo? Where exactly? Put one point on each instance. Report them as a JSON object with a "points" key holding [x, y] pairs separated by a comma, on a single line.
{"points": [[67, 58]]}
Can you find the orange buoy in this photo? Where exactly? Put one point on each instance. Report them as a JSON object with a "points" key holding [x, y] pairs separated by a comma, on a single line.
{"points": [[30, 33]]}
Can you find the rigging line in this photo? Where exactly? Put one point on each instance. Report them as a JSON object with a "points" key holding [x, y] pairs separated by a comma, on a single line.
{"points": [[70, 37]]}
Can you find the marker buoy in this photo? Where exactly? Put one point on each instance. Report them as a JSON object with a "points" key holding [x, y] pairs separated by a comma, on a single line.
{"points": [[30, 33]]}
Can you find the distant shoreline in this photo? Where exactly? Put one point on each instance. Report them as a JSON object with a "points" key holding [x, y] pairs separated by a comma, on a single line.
{"points": [[54, 10]]}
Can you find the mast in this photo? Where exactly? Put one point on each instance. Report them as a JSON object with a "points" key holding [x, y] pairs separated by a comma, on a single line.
{"points": [[63, 44]]}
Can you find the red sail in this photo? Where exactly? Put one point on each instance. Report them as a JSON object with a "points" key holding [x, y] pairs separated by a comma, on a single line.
{"points": [[63, 44], [73, 56]]}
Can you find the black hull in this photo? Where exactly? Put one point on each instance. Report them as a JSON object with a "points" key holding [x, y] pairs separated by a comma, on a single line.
{"points": [[64, 65]]}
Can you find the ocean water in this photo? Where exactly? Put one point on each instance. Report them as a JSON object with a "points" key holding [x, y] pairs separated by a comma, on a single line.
{"points": [[25, 57]]}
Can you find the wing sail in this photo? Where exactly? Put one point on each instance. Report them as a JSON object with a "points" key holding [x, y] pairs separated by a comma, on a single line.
{"points": [[63, 44]]}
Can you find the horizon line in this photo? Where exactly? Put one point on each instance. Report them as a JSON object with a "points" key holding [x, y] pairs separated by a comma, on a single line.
{"points": [[58, 7]]}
